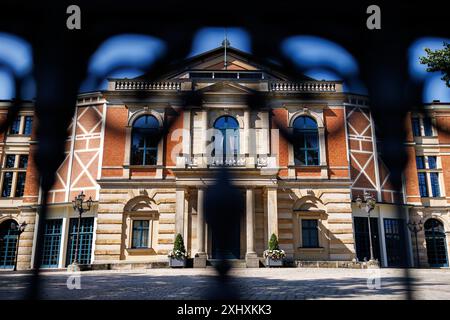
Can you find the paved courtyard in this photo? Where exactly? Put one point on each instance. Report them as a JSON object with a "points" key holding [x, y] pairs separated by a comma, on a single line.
{"points": [[270, 284]]}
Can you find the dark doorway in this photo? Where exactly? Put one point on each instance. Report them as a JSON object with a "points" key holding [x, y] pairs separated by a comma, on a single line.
{"points": [[230, 243], [394, 231], [362, 238], [436, 243]]}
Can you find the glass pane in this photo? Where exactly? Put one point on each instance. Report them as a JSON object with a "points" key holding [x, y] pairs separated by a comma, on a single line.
{"points": [[28, 125], [146, 122], [20, 185], [434, 176], [420, 162], [432, 162], [52, 239], [310, 237], [423, 184], [416, 127], [7, 184], [23, 161], [10, 161], [304, 122], [395, 242], [140, 234], [311, 141], [427, 127], [15, 126], [151, 156], [300, 157], [312, 157], [84, 243]]}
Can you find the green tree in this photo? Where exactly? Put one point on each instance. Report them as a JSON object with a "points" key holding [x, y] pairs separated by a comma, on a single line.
{"points": [[179, 244], [273, 242], [438, 60]]}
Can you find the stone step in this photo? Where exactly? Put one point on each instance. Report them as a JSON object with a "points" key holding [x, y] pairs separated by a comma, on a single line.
{"points": [[235, 263]]}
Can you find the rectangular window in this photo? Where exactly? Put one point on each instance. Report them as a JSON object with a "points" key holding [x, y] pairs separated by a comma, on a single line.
{"points": [[420, 162], [20, 184], [10, 161], [434, 179], [51, 245], [140, 234], [432, 162], [28, 125], [362, 240], [427, 127], [310, 234], [23, 161], [416, 127], [423, 184], [7, 184], [84, 242], [394, 232], [15, 126]]}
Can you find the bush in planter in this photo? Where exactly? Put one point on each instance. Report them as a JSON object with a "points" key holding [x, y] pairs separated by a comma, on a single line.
{"points": [[274, 252], [178, 252]]}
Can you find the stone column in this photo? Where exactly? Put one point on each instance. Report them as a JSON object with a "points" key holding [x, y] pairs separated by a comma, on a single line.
{"points": [[251, 258], [205, 138], [179, 211], [272, 211], [200, 257]]}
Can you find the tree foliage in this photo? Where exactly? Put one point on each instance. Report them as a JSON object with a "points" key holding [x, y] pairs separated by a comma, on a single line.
{"points": [[273, 242], [179, 244], [438, 60]]}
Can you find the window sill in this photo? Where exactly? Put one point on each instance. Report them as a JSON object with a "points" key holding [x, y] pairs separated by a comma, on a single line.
{"points": [[298, 166], [304, 249], [134, 166], [140, 251]]}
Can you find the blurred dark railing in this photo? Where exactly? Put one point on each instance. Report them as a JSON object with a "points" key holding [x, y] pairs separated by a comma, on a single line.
{"points": [[61, 57]]}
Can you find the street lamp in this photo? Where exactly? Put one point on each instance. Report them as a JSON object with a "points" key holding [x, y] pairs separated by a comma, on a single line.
{"points": [[19, 229], [368, 204], [416, 228], [81, 206]]}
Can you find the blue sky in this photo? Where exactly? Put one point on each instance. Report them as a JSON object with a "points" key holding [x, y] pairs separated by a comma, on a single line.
{"points": [[128, 55]]}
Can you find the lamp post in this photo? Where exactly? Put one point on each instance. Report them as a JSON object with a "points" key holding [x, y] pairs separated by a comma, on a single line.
{"points": [[368, 204], [81, 206], [416, 228], [19, 229]]}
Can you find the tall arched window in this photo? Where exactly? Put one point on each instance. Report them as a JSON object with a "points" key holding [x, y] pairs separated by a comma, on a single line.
{"points": [[226, 143], [436, 243], [306, 145], [145, 139]]}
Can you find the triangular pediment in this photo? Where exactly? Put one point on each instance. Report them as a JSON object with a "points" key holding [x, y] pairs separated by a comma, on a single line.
{"points": [[209, 64], [224, 87]]}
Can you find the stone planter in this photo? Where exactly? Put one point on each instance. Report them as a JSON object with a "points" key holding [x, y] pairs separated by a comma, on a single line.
{"points": [[273, 263], [177, 263]]}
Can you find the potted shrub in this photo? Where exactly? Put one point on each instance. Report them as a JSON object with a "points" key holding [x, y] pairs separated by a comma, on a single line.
{"points": [[177, 257], [274, 255]]}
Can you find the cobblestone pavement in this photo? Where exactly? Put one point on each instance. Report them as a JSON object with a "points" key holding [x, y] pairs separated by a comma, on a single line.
{"points": [[266, 284]]}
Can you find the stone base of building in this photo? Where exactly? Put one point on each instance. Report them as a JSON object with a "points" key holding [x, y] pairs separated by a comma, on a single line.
{"points": [[127, 266], [252, 260], [335, 264], [200, 261]]}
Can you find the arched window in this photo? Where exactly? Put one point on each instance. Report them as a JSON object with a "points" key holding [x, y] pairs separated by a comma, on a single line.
{"points": [[306, 145], [8, 244], [145, 139], [436, 243], [227, 142]]}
